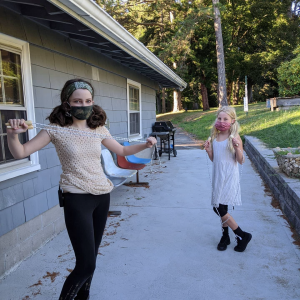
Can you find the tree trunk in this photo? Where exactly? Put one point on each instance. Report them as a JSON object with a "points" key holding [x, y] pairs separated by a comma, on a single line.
{"points": [[163, 101], [250, 94], [220, 55], [179, 100], [177, 105], [204, 97], [158, 102], [236, 90], [229, 91], [175, 101], [233, 93]]}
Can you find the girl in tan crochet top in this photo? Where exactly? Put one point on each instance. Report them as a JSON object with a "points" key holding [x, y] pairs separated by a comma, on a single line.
{"points": [[85, 186]]}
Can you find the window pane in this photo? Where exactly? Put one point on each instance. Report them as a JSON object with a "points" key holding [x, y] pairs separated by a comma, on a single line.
{"points": [[11, 79], [130, 92], [13, 92], [132, 106], [136, 94], [8, 155], [134, 103], [10, 114], [134, 123], [1, 151], [5, 115], [137, 99], [11, 63], [1, 91]]}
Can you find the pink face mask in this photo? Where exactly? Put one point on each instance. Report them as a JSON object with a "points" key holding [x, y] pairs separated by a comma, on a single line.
{"points": [[222, 126]]}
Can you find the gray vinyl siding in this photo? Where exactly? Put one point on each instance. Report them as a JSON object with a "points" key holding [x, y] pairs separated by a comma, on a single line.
{"points": [[54, 60]]}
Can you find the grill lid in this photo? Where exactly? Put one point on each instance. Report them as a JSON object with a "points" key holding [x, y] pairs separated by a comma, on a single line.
{"points": [[163, 126]]}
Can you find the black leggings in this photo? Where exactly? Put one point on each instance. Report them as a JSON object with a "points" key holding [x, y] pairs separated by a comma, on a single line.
{"points": [[85, 217], [222, 209]]}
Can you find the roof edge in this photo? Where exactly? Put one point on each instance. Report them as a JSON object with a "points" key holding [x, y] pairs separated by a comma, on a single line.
{"points": [[93, 16]]}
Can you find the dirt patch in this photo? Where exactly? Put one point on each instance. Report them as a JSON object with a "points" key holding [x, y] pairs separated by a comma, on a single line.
{"points": [[36, 284], [111, 233], [69, 270], [37, 293], [59, 256], [26, 298], [281, 281], [52, 276], [104, 244], [116, 225]]}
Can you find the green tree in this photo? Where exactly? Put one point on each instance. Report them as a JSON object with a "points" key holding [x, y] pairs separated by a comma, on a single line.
{"points": [[289, 76], [258, 36]]}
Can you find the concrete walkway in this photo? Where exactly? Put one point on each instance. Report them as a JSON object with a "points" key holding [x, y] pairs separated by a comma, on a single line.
{"points": [[184, 141], [163, 246]]}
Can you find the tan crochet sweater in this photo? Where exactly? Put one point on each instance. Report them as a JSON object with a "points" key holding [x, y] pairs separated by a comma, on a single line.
{"points": [[80, 158]]}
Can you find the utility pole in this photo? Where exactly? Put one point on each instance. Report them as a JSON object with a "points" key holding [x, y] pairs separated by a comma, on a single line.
{"points": [[246, 97]]}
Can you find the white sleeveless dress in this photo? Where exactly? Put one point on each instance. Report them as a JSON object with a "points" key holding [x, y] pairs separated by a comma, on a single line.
{"points": [[226, 188]]}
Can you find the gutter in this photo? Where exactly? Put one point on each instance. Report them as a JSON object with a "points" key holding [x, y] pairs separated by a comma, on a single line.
{"points": [[94, 17]]}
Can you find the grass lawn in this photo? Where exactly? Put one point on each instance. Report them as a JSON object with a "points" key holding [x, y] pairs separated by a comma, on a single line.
{"points": [[276, 129]]}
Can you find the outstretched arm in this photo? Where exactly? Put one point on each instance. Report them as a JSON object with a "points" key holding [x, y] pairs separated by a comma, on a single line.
{"points": [[16, 148], [115, 147]]}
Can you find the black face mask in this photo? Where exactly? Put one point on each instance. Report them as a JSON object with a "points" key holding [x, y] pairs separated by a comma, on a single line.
{"points": [[81, 112]]}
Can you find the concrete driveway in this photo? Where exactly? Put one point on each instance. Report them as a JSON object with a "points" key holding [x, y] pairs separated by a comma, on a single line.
{"points": [[163, 246]]}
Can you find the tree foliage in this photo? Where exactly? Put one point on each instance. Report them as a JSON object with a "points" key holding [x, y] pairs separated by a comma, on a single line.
{"points": [[289, 76], [259, 35]]}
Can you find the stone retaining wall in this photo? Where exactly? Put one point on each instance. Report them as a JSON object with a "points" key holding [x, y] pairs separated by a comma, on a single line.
{"points": [[285, 189]]}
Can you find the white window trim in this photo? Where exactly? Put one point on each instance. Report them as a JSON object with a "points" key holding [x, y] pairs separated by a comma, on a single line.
{"points": [[139, 86], [33, 165]]}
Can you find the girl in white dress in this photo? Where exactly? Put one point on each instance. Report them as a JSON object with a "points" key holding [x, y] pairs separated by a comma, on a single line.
{"points": [[225, 150]]}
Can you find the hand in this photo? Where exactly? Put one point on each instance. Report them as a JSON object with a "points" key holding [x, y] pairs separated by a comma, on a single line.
{"points": [[235, 142], [17, 126], [207, 146], [151, 141]]}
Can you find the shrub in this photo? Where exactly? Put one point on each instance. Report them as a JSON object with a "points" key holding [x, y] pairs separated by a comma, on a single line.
{"points": [[289, 76]]}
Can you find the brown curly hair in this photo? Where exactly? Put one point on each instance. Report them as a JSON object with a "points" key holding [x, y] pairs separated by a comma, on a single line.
{"points": [[59, 114]]}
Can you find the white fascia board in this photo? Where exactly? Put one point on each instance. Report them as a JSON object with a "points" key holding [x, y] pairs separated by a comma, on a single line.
{"points": [[94, 17]]}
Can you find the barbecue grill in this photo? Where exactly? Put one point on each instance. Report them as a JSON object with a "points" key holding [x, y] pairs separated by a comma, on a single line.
{"points": [[166, 133]]}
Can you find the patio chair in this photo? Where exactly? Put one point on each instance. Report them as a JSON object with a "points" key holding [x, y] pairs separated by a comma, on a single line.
{"points": [[136, 160], [125, 164], [117, 175]]}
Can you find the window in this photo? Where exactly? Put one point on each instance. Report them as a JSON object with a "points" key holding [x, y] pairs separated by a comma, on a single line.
{"points": [[10, 94], [16, 101], [134, 109]]}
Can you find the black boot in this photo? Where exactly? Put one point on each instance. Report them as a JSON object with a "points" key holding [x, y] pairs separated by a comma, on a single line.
{"points": [[242, 243], [224, 242]]}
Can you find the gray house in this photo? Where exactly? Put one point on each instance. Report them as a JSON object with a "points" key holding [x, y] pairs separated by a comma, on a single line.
{"points": [[42, 45]]}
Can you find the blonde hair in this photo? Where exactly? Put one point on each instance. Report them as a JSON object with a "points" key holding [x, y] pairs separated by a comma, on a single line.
{"points": [[234, 129]]}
